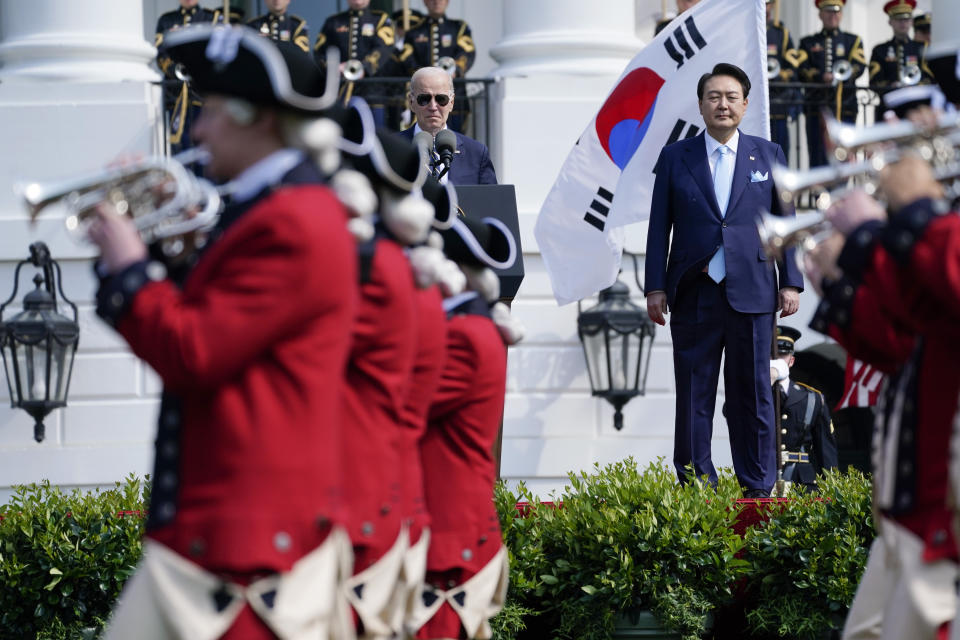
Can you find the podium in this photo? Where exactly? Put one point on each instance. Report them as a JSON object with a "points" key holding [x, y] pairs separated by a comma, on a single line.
{"points": [[496, 201]]}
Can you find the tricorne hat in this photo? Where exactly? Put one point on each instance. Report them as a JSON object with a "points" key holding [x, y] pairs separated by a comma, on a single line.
{"points": [[237, 61]]}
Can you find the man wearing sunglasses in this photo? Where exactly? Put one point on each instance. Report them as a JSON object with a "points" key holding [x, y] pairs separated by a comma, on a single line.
{"points": [[431, 101]]}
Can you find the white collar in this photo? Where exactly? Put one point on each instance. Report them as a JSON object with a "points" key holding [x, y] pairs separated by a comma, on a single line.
{"points": [[264, 173], [785, 384], [417, 129], [713, 144]]}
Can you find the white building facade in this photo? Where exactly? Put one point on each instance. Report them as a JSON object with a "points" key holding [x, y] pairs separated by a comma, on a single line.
{"points": [[77, 89]]}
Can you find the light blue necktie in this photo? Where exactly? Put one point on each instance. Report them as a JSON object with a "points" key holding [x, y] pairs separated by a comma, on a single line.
{"points": [[722, 180]]}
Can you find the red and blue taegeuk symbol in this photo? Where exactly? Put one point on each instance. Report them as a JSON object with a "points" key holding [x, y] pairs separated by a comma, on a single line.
{"points": [[624, 118]]}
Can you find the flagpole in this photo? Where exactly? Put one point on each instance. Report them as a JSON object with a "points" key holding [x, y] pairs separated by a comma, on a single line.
{"points": [[406, 15], [663, 8], [226, 11], [776, 12]]}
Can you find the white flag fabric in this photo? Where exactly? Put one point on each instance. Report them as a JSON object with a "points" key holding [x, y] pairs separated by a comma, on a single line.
{"points": [[607, 179]]}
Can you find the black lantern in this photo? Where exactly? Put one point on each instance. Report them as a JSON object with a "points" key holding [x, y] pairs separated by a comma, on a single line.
{"points": [[39, 343], [616, 336]]}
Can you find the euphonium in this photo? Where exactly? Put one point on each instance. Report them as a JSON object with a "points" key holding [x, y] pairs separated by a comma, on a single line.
{"points": [[167, 203], [448, 64]]}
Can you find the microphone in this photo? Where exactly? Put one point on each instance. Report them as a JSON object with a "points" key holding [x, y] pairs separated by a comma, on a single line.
{"points": [[446, 143], [424, 140]]}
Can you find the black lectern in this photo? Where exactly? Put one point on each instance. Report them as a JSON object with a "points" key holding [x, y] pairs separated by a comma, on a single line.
{"points": [[496, 201]]}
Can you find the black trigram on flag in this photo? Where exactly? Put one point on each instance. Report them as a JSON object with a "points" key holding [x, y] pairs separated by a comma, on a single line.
{"points": [[692, 130], [599, 208], [682, 40]]}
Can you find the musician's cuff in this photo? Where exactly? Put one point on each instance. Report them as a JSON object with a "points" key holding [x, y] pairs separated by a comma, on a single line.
{"points": [[855, 256], [908, 226], [835, 307], [117, 292]]}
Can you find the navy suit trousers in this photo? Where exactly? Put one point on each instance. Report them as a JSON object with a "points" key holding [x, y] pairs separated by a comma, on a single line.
{"points": [[705, 327]]}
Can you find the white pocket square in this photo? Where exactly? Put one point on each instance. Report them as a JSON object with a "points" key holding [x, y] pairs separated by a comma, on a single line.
{"points": [[756, 176]]}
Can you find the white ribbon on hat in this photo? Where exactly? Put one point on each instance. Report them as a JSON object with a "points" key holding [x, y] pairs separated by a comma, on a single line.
{"points": [[224, 46]]}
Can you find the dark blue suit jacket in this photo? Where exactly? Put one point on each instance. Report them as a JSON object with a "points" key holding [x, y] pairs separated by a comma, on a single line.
{"points": [[684, 203], [471, 163]]}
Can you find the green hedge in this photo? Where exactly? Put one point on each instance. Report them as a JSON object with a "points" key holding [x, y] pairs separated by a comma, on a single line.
{"points": [[628, 539], [624, 539], [65, 556]]}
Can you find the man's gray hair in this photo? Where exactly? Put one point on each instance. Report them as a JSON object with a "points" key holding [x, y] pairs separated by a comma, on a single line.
{"points": [[424, 72]]}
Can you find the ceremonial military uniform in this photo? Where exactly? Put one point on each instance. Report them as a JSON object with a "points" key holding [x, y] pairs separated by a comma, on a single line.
{"points": [[437, 38], [467, 564], [898, 62], [807, 444], [897, 307], [246, 508], [365, 35], [283, 28], [180, 103], [784, 102], [818, 54]]}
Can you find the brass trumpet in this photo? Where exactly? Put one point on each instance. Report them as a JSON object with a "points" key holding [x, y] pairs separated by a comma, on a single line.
{"points": [[448, 64], [910, 75], [842, 70], [351, 72], [167, 203], [773, 68]]}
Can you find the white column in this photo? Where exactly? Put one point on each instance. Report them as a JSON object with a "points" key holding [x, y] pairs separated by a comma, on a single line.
{"points": [[94, 40], [566, 36]]}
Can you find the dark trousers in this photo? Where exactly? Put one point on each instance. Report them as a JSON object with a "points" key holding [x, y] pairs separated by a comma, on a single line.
{"points": [[816, 148], [705, 327]]}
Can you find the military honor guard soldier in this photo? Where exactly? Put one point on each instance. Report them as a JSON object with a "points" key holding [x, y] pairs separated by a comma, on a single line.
{"points": [[898, 62], [281, 26], [365, 36], [807, 444], [921, 28], [821, 56], [784, 102]]}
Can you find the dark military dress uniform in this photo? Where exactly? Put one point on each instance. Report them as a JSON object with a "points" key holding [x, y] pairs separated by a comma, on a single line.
{"points": [[807, 444], [436, 38], [283, 28], [784, 102], [819, 53], [807, 441], [365, 35], [892, 59], [180, 103]]}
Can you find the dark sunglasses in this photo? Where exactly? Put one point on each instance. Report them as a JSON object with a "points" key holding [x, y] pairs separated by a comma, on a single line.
{"points": [[424, 99]]}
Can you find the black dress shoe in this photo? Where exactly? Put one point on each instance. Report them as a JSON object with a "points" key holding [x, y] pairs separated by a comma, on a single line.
{"points": [[751, 494]]}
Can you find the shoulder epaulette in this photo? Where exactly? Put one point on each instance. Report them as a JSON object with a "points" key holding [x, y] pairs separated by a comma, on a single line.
{"points": [[806, 386]]}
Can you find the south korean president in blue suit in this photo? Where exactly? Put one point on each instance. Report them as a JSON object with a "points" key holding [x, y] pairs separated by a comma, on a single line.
{"points": [[716, 282]]}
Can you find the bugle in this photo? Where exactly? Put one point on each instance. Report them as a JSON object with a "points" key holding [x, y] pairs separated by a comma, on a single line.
{"points": [[167, 203], [448, 64], [842, 70], [773, 68]]}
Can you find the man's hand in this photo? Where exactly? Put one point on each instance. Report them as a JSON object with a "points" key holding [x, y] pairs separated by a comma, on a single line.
{"points": [[119, 242], [789, 301], [853, 210], [657, 307], [822, 261], [907, 181]]}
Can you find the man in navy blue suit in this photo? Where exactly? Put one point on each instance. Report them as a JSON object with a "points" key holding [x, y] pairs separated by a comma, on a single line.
{"points": [[431, 100], [722, 292]]}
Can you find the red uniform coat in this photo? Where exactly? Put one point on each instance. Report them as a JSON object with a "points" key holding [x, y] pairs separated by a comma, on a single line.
{"points": [[457, 450], [378, 375], [431, 332], [898, 310], [251, 353]]}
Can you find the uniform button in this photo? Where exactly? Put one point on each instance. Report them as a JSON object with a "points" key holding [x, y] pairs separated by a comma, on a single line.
{"points": [[385, 509], [322, 522], [169, 450], [724, 225], [156, 271], [451, 584], [467, 555], [282, 541], [197, 547], [168, 480], [784, 417], [783, 447], [171, 418], [482, 539], [116, 300], [166, 511], [367, 529], [783, 431]]}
